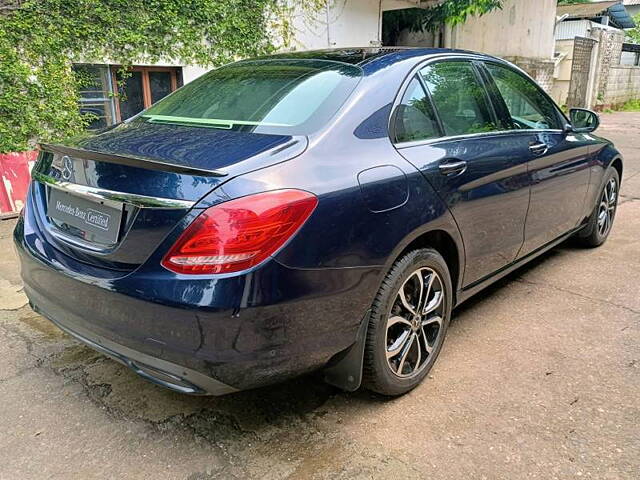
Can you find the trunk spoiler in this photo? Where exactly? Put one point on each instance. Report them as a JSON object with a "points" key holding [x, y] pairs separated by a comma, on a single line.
{"points": [[130, 161]]}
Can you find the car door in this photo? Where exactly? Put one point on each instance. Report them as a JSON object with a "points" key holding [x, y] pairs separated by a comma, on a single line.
{"points": [[559, 163], [446, 127]]}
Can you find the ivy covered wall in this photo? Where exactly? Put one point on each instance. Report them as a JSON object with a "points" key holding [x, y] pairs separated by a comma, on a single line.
{"points": [[39, 40]]}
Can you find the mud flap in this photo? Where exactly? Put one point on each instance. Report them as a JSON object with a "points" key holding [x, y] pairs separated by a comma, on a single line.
{"points": [[346, 373]]}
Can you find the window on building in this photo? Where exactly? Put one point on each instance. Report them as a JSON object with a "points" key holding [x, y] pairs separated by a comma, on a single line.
{"points": [[96, 94], [141, 87], [110, 97]]}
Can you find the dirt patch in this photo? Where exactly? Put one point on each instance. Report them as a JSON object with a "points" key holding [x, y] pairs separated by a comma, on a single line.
{"points": [[74, 357], [41, 325], [133, 397]]}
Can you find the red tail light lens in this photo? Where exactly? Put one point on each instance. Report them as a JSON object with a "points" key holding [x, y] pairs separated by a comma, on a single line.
{"points": [[241, 233]]}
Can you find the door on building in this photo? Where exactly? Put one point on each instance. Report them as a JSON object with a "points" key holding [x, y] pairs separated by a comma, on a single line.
{"points": [[141, 87]]}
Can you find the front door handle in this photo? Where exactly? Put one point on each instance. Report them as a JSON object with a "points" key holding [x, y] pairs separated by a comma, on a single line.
{"points": [[539, 148], [453, 168]]}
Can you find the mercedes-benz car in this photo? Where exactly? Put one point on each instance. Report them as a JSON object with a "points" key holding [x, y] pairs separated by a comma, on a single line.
{"points": [[323, 210]]}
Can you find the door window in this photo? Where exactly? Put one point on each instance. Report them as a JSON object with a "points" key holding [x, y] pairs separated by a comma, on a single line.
{"points": [[414, 118], [459, 98], [528, 107]]}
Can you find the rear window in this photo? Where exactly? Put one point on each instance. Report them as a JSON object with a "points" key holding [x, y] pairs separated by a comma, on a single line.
{"points": [[290, 97]]}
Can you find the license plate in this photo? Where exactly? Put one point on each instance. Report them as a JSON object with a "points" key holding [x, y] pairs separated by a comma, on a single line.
{"points": [[95, 219]]}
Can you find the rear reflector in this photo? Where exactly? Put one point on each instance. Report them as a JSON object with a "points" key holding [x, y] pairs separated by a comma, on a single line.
{"points": [[239, 234]]}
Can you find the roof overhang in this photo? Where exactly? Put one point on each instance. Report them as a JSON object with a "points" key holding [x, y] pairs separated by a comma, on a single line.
{"points": [[616, 11], [400, 4]]}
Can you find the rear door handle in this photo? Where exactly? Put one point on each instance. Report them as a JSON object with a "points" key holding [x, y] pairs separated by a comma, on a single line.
{"points": [[539, 148], [453, 168]]}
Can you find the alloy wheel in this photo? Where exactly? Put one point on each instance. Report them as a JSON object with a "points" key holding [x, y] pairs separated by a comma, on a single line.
{"points": [[607, 208], [414, 325]]}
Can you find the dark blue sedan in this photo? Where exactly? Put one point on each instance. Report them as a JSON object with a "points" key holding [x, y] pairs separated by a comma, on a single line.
{"points": [[319, 210]]}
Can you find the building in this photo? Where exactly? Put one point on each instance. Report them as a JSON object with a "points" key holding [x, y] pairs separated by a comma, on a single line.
{"points": [[589, 47], [525, 36], [630, 52], [342, 23]]}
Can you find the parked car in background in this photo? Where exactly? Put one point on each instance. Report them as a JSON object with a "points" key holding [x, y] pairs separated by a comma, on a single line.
{"points": [[304, 211]]}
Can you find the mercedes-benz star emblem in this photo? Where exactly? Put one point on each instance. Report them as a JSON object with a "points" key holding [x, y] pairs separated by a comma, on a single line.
{"points": [[67, 168]]}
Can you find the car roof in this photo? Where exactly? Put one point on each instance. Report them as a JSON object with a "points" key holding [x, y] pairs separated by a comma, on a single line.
{"points": [[374, 58]]}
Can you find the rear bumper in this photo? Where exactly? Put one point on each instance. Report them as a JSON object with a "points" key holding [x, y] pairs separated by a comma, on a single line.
{"points": [[201, 335], [159, 371]]}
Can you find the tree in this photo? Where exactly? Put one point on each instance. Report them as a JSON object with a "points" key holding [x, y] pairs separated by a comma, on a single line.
{"points": [[633, 34]]}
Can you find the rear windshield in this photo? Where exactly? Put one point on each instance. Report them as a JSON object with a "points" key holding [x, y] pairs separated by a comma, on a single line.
{"points": [[293, 97]]}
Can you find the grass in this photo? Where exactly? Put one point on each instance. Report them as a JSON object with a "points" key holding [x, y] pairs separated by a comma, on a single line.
{"points": [[631, 106]]}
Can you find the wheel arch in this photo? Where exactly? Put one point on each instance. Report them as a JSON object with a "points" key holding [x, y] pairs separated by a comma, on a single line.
{"points": [[444, 243], [617, 164], [345, 369], [441, 237]]}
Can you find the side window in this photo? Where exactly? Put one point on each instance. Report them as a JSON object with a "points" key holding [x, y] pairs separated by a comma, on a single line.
{"points": [[414, 118], [459, 98], [528, 107]]}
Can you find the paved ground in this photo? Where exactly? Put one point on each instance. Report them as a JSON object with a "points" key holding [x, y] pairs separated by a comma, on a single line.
{"points": [[539, 378]]}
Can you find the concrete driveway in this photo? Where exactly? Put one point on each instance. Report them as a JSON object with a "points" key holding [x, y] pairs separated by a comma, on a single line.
{"points": [[539, 378]]}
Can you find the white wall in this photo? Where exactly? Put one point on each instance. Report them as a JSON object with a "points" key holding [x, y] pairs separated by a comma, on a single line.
{"points": [[191, 72], [523, 28], [345, 23], [628, 58], [562, 80]]}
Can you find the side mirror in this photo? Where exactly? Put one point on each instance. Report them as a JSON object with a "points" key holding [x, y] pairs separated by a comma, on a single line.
{"points": [[583, 120]]}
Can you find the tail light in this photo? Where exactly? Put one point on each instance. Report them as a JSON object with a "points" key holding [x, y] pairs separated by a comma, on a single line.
{"points": [[241, 233]]}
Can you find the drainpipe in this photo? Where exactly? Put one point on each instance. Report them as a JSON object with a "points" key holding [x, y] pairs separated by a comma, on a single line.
{"points": [[326, 10], [378, 41], [559, 20]]}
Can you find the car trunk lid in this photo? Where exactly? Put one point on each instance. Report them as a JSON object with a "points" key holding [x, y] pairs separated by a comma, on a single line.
{"points": [[110, 199]]}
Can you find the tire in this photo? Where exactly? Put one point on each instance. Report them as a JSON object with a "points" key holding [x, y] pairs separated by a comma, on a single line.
{"points": [[398, 329], [600, 222]]}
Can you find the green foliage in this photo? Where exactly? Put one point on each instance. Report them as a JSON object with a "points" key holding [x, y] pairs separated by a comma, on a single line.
{"points": [[450, 12], [633, 34], [631, 106], [571, 2], [39, 40]]}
